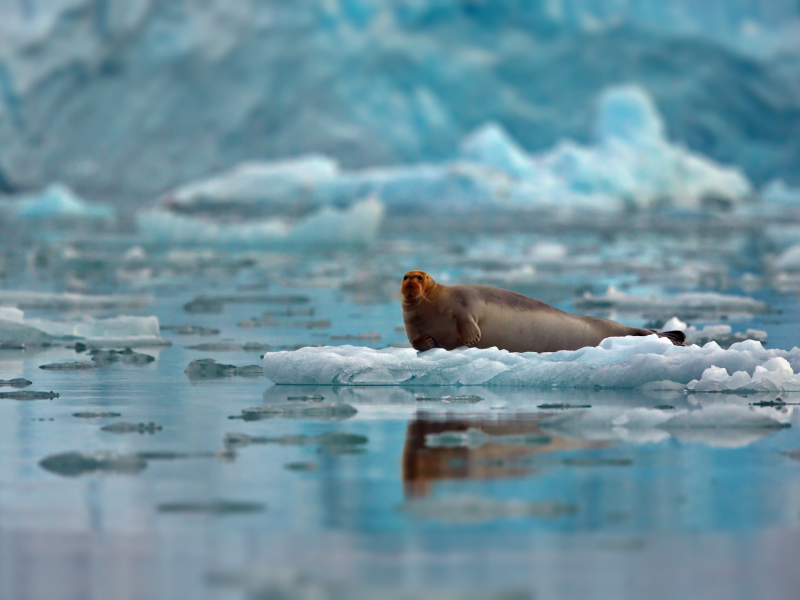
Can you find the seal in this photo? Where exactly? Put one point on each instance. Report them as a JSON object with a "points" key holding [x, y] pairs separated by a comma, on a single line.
{"points": [[477, 316]]}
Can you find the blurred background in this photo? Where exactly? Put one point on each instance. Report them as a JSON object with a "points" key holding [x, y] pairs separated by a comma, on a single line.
{"points": [[187, 186]]}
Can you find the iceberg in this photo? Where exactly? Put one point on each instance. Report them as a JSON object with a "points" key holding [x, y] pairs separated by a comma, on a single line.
{"points": [[627, 362], [56, 203], [353, 226], [114, 332], [691, 302]]}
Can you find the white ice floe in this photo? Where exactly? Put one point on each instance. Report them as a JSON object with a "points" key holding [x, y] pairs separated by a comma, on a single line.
{"points": [[72, 302], [788, 260], [719, 424], [627, 362], [700, 302], [356, 225], [777, 193], [279, 184], [722, 334], [774, 375], [57, 202], [113, 332]]}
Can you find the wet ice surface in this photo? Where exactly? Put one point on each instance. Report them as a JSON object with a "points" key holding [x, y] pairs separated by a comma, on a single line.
{"points": [[209, 482]]}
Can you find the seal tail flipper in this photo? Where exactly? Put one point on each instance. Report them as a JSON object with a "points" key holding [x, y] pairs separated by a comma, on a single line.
{"points": [[676, 337]]}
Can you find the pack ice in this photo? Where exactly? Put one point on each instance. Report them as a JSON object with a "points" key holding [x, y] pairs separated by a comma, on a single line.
{"points": [[627, 362]]}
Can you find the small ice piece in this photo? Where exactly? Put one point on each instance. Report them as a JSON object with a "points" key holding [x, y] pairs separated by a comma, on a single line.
{"points": [[272, 322], [215, 507], [467, 399], [562, 406], [123, 427], [778, 194], [209, 368], [74, 464], [191, 330], [17, 382], [129, 357], [58, 203], [256, 347], [72, 302], [83, 365], [693, 302], [722, 334], [311, 398], [96, 414], [29, 395], [475, 509], [204, 305], [789, 260], [216, 347], [323, 412], [356, 225], [774, 375]]}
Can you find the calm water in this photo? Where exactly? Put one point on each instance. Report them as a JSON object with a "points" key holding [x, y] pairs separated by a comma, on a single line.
{"points": [[397, 510]]}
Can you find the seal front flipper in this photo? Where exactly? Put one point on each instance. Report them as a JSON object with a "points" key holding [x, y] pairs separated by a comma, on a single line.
{"points": [[468, 331], [424, 342]]}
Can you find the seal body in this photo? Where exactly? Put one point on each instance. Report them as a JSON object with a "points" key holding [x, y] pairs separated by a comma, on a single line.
{"points": [[437, 316]]}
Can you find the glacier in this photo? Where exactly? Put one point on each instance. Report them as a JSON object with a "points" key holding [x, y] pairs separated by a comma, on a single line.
{"points": [[629, 362], [370, 83], [632, 164]]}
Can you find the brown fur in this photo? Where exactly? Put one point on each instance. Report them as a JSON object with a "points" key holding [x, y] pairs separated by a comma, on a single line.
{"points": [[438, 316]]}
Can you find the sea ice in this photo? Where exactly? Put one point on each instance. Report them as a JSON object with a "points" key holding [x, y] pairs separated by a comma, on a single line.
{"points": [[57, 202], [627, 362], [72, 302], [691, 302], [356, 225], [774, 375], [721, 334]]}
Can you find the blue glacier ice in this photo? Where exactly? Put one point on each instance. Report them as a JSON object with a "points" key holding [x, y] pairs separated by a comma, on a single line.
{"points": [[631, 163], [126, 99]]}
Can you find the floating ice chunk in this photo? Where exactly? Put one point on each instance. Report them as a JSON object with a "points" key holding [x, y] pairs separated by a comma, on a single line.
{"points": [[74, 302], [355, 225], [475, 438], [774, 375], [11, 314], [789, 260], [777, 193], [723, 424], [626, 362], [693, 302], [490, 145], [722, 334], [122, 331], [280, 185], [73, 464], [57, 202]]}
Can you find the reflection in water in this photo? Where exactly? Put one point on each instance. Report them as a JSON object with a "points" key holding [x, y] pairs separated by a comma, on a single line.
{"points": [[509, 440]]}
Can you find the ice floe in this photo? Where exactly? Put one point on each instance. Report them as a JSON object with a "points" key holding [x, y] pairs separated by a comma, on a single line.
{"points": [[721, 334], [774, 375], [56, 202], [113, 332], [357, 224], [627, 362], [72, 302], [701, 303]]}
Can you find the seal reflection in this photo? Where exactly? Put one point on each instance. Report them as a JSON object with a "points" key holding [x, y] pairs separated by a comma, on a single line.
{"points": [[503, 454]]}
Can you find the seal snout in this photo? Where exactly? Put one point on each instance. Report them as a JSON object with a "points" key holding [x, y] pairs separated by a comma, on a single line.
{"points": [[414, 285]]}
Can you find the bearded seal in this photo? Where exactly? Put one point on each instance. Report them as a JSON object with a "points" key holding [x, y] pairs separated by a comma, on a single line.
{"points": [[478, 316]]}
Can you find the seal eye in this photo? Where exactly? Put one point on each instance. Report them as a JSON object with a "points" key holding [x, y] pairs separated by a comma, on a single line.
{"points": [[419, 277]]}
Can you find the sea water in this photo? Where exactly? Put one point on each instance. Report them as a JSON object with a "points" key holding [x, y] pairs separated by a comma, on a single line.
{"points": [[234, 487]]}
